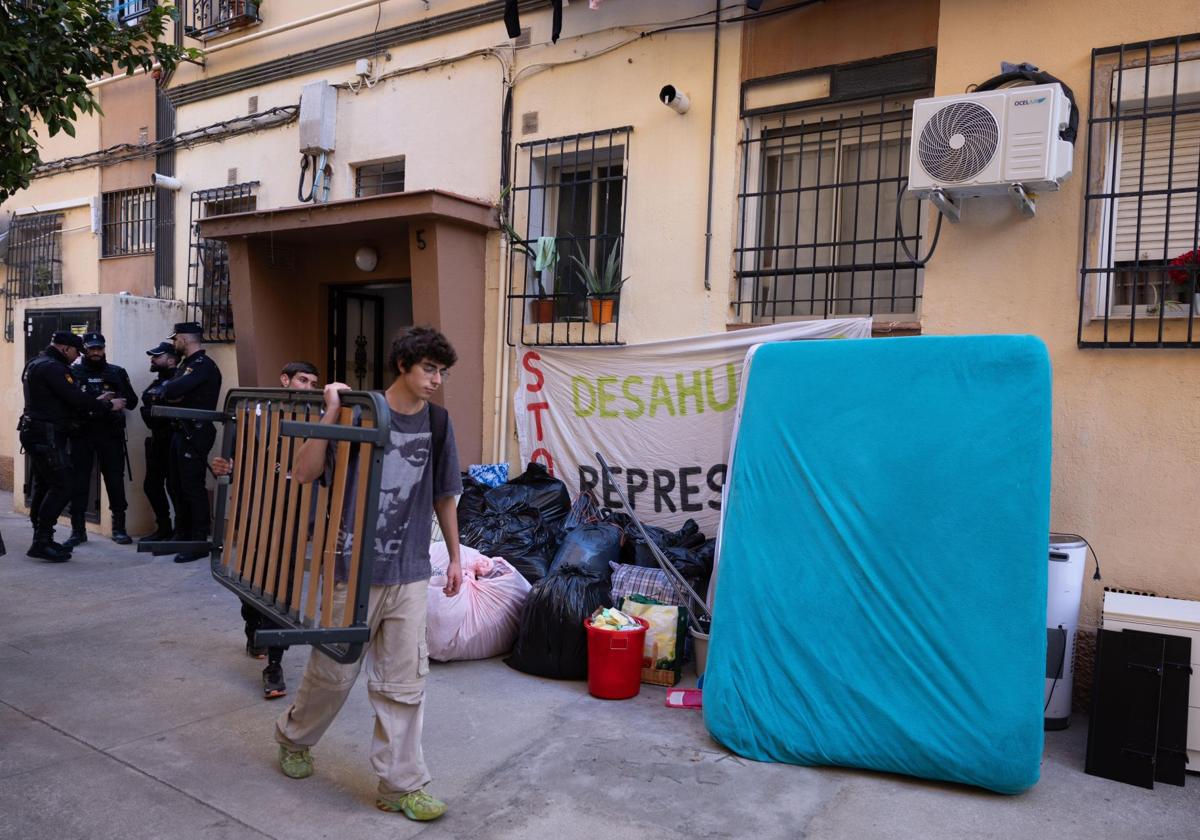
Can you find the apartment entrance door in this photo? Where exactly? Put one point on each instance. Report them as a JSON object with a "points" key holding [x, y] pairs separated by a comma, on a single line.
{"points": [[363, 322]]}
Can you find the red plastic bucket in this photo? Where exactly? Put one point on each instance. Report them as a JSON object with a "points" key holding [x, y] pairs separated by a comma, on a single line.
{"points": [[615, 661]]}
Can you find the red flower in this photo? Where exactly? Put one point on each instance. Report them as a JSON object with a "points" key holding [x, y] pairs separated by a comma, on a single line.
{"points": [[1180, 276]]}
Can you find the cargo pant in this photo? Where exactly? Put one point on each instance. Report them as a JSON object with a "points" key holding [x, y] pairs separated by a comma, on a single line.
{"points": [[397, 661]]}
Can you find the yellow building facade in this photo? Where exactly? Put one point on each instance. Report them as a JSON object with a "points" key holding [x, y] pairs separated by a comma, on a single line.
{"points": [[770, 195]]}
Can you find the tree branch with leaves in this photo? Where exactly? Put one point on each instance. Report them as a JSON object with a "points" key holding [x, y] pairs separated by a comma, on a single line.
{"points": [[49, 51]]}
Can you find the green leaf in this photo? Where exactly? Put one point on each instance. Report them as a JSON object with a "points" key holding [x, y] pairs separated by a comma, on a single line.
{"points": [[48, 52]]}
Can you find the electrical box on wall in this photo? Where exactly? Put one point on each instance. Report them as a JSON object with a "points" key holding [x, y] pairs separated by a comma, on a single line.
{"points": [[318, 118], [987, 143]]}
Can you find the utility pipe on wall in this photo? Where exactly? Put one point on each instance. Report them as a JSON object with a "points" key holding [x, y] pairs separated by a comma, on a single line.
{"points": [[712, 144]]}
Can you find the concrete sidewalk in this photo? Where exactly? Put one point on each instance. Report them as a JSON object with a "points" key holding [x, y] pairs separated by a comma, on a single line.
{"points": [[129, 710]]}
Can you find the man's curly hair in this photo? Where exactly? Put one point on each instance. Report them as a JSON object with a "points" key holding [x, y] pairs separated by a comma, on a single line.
{"points": [[421, 343]]}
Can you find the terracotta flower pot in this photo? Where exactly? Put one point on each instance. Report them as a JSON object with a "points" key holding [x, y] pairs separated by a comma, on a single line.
{"points": [[543, 311], [602, 310]]}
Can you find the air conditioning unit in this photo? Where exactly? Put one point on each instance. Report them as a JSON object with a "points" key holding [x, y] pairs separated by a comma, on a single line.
{"points": [[990, 143]]}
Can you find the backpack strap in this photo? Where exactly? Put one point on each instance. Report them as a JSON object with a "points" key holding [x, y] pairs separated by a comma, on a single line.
{"points": [[439, 419]]}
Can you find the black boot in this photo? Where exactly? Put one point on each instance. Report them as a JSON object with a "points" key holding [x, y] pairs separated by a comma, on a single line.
{"points": [[43, 550], [118, 529], [78, 533], [163, 531]]}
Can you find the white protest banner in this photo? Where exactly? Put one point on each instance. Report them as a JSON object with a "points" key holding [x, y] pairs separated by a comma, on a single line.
{"points": [[660, 413]]}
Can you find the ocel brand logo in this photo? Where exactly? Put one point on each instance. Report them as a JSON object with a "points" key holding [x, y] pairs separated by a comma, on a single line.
{"points": [[1019, 102]]}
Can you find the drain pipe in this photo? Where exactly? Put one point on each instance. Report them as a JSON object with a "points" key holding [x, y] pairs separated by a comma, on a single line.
{"points": [[712, 144], [500, 406]]}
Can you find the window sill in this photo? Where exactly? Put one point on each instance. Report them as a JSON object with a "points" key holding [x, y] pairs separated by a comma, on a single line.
{"points": [[569, 333], [126, 256], [1171, 314], [879, 329]]}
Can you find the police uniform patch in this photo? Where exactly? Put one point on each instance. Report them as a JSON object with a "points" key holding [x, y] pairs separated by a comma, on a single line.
{"points": [[70, 379], [186, 371]]}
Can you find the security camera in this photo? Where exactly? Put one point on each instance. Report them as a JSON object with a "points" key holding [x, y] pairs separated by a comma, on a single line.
{"points": [[165, 182], [674, 99]]}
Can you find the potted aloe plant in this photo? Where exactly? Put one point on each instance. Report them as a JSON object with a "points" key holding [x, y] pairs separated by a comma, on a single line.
{"points": [[603, 286]]}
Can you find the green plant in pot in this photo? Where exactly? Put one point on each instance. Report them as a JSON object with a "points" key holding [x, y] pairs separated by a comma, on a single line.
{"points": [[43, 277], [602, 286]]}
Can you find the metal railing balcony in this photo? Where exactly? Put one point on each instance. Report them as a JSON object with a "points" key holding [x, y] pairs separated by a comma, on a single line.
{"points": [[211, 18]]}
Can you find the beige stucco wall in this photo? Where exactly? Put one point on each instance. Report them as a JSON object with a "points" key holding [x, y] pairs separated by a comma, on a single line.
{"points": [[664, 247], [447, 123], [1125, 421], [327, 31], [80, 250]]}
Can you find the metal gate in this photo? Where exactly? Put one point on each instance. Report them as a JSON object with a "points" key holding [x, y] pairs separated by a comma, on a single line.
{"points": [[282, 545]]}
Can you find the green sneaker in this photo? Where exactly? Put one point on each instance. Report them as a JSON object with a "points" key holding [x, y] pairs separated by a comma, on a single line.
{"points": [[417, 805], [295, 764]]}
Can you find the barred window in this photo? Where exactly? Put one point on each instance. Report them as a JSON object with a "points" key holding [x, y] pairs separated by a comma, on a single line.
{"points": [[1141, 253], [34, 261], [379, 178], [129, 12], [212, 18], [128, 222], [566, 215], [818, 229], [208, 291]]}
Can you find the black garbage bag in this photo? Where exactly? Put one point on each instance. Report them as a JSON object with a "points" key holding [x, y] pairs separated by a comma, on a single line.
{"points": [[521, 520], [590, 548], [536, 488], [473, 499], [552, 641], [518, 534], [584, 511], [687, 549]]}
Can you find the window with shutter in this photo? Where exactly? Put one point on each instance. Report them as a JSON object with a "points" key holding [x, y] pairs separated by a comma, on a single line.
{"points": [[1155, 217], [1141, 269]]}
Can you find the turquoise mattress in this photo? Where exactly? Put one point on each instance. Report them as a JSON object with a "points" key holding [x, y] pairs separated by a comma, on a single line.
{"points": [[880, 599]]}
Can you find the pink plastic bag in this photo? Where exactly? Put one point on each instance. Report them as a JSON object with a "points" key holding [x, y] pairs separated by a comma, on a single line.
{"points": [[481, 620]]}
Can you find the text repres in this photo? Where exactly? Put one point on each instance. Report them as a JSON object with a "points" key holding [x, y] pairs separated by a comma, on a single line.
{"points": [[683, 489]]}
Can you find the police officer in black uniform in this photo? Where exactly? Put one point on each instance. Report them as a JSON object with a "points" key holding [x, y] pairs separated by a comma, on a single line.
{"points": [[196, 385], [52, 404], [100, 436], [163, 362]]}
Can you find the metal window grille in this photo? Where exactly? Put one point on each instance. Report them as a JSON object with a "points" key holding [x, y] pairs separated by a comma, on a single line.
{"points": [[818, 233], [128, 222], [379, 178], [34, 261], [208, 291], [210, 18], [129, 12], [567, 204], [1141, 237]]}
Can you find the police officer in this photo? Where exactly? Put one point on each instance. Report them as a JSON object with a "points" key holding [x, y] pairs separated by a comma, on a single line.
{"points": [[163, 362], [196, 385], [100, 436], [52, 404]]}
